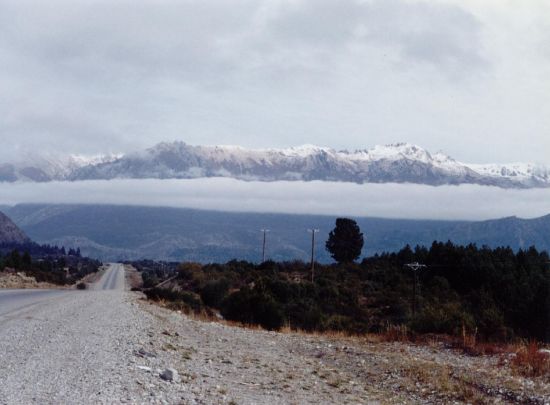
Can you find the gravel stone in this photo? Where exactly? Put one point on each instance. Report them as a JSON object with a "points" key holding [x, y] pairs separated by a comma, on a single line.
{"points": [[170, 374]]}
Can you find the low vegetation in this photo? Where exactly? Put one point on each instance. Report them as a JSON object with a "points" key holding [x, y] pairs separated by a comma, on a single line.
{"points": [[531, 361], [475, 294], [47, 263]]}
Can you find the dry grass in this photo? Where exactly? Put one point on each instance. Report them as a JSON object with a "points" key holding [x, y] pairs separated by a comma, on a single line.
{"points": [[396, 333], [530, 361], [331, 334]]}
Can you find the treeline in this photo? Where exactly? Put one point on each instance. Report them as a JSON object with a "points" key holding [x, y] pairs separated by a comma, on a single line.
{"points": [[37, 250], [497, 294], [51, 264]]}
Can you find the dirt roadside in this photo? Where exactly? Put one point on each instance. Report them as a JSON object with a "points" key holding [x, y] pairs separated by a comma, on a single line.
{"points": [[221, 363]]}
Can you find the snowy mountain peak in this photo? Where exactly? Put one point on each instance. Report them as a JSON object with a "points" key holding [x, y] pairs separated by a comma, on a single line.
{"points": [[399, 151], [304, 150], [54, 165], [393, 163]]}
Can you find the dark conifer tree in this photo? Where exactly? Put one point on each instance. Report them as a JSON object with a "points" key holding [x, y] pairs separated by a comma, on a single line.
{"points": [[26, 259], [345, 241]]}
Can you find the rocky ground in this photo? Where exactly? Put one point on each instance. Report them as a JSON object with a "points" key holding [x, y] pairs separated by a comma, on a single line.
{"points": [[226, 364], [113, 346]]}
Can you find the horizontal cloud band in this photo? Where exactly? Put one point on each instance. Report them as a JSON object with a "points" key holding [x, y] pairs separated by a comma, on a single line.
{"points": [[468, 202]]}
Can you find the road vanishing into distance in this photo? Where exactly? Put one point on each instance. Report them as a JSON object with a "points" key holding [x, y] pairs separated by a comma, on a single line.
{"points": [[14, 302], [113, 279], [66, 346]]}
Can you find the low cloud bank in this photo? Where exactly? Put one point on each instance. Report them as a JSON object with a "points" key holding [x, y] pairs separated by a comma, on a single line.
{"points": [[469, 202]]}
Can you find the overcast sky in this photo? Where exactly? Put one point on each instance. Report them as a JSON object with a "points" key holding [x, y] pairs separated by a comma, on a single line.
{"points": [[469, 77]]}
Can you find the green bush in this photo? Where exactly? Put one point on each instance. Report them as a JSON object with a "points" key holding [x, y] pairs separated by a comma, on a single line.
{"points": [[253, 307], [446, 318], [188, 298], [213, 293]]}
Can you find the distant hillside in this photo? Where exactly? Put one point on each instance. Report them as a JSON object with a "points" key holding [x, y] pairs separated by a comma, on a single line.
{"points": [[122, 232], [9, 232]]}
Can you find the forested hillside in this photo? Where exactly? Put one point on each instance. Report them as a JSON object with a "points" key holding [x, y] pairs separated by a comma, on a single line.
{"points": [[112, 233]]}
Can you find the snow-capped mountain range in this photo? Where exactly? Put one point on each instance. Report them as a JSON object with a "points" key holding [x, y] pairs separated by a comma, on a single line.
{"points": [[395, 163]]}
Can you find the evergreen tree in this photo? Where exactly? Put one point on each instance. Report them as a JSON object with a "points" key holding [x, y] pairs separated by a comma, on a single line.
{"points": [[26, 259], [345, 241], [14, 259]]}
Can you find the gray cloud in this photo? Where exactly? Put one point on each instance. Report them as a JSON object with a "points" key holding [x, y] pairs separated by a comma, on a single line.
{"points": [[448, 37], [98, 76], [445, 36], [373, 200]]}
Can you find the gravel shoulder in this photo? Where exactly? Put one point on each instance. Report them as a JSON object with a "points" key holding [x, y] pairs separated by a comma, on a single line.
{"points": [[111, 346], [227, 364]]}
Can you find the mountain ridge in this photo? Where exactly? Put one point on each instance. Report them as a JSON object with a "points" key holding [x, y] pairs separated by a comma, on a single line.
{"points": [[394, 163]]}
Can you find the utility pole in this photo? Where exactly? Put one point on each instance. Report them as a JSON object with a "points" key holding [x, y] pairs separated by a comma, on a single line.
{"points": [[263, 244], [415, 267], [313, 232]]}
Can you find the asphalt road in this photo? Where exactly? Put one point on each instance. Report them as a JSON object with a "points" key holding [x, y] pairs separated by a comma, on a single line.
{"points": [[14, 300], [112, 279], [67, 346], [11, 300]]}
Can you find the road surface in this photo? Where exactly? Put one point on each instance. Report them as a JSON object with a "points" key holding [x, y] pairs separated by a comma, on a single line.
{"points": [[113, 279], [13, 302], [66, 346]]}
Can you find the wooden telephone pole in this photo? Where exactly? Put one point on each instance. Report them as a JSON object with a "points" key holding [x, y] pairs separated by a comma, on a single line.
{"points": [[263, 243], [415, 267], [313, 232]]}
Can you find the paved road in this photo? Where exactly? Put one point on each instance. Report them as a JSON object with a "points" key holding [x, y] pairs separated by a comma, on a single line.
{"points": [[112, 279], [67, 346], [14, 301]]}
